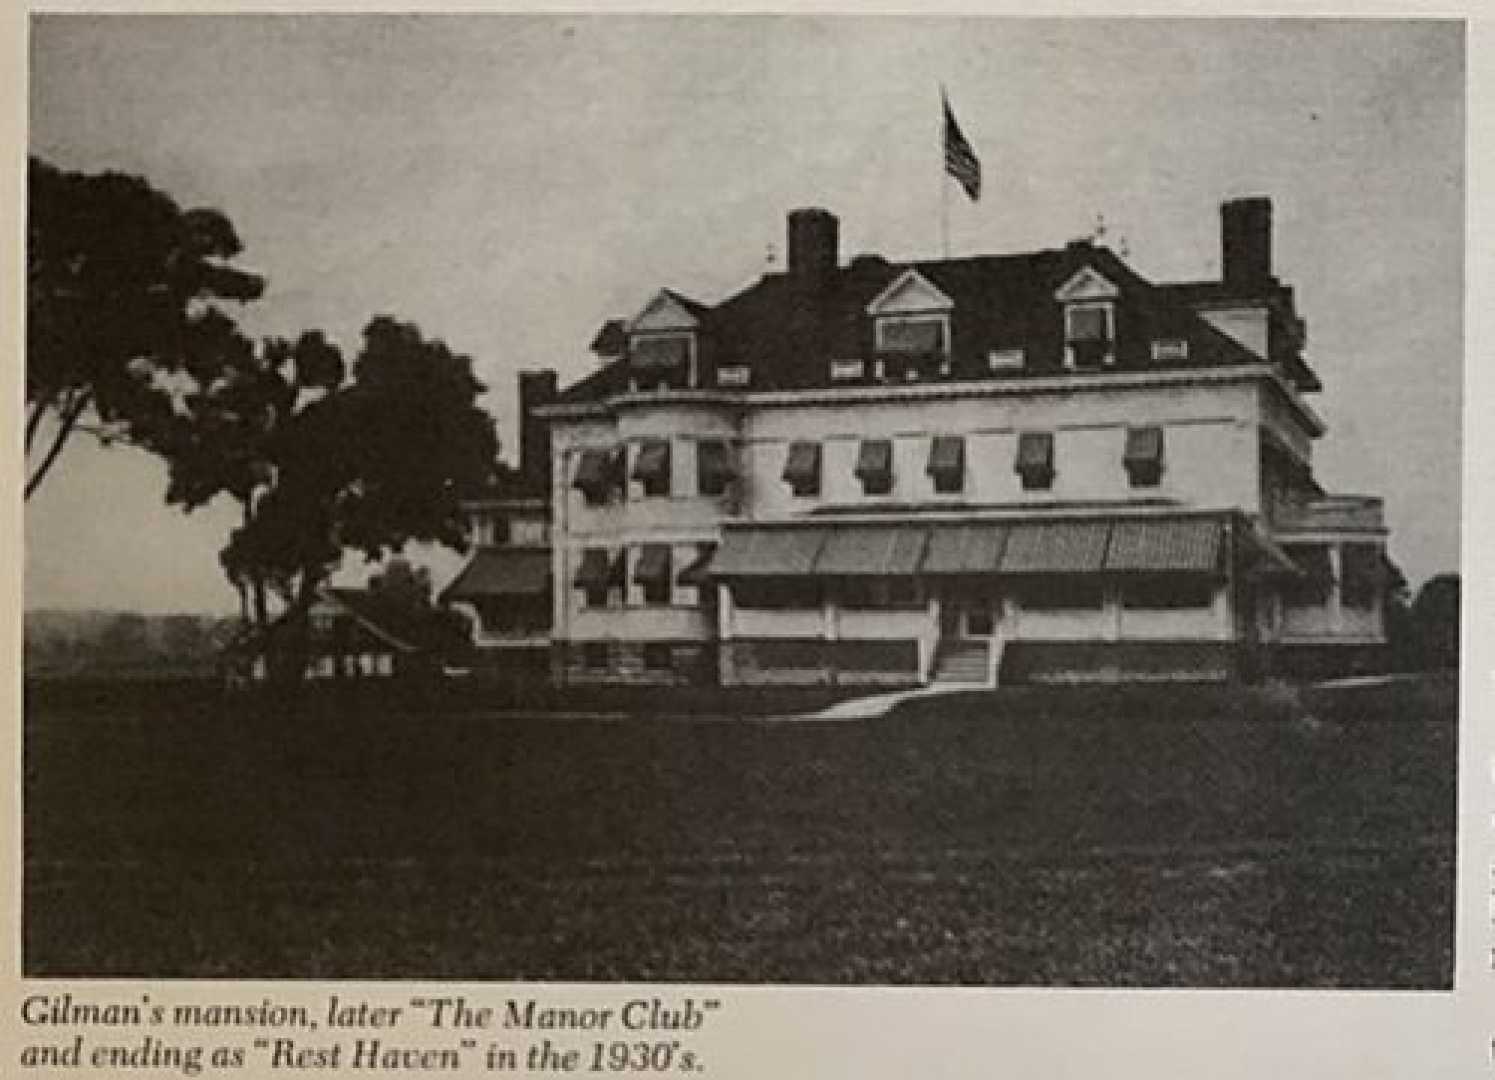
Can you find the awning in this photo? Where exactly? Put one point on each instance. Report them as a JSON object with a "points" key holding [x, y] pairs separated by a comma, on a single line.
{"points": [[1144, 446], [875, 460], [964, 549], [802, 466], [594, 471], [1190, 545], [947, 456], [496, 571], [595, 571], [652, 465], [1035, 450], [767, 552], [698, 571], [871, 549], [653, 565], [1056, 547], [714, 468]]}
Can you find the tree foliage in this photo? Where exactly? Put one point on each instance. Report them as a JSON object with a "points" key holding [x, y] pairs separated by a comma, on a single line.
{"points": [[120, 293], [325, 457]]}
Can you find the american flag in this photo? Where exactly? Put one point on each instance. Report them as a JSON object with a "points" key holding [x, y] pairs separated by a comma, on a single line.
{"points": [[960, 160]]}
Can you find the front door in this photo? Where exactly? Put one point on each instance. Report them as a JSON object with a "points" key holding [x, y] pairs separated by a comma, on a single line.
{"points": [[968, 617]]}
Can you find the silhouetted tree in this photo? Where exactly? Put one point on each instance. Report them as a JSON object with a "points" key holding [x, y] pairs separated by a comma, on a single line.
{"points": [[322, 463], [1435, 614], [120, 284]]}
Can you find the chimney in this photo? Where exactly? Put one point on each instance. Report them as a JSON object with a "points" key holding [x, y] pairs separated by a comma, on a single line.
{"points": [[1246, 242], [536, 388], [814, 239]]}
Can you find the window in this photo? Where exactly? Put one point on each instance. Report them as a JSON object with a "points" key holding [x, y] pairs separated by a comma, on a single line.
{"points": [[1316, 578], [714, 469], [597, 474], [777, 595], [1170, 350], [1035, 460], [848, 370], [802, 467], [1143, 456], [913, 336], [652, 572], [658, 656], [734, 375], [660, 361], [594, 655], [651, 467], [874, 466], [1167, 594], [1089, 334], [1005, 359], [595, 576], [1061, 594], [947, 463], [1362, 577]]}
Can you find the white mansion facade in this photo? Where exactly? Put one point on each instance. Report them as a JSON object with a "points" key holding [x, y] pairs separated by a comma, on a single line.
{"points": [[1012, 467]]}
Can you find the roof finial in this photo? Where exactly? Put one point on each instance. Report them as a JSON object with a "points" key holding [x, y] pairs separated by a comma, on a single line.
{"points": [[1098, 233]]}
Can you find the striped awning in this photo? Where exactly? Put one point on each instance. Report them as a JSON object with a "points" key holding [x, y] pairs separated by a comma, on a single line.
{"points": [[1055, 547], [875, 459], [652, 465], [947, 456], [595, 570], [653, 565], [595, 471], [768, 552], [1189, 545], [964, 549], [871, 549]]}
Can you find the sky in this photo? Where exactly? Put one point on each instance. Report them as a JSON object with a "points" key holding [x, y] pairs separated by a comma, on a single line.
{"points": [[508, 182]]}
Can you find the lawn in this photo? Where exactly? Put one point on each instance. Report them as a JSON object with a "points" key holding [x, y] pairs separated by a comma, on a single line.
{"points": [[1164, 836]]}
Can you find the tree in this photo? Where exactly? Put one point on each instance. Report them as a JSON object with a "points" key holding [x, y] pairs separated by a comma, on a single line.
{"points": [[323, 464], [120, 286], [1435, 614]]}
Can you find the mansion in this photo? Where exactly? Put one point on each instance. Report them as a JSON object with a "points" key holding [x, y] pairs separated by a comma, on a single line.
{"points": [[1004, 468]]}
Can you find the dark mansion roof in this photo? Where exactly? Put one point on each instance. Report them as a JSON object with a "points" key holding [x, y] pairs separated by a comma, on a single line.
{"points": [[787, 327]]}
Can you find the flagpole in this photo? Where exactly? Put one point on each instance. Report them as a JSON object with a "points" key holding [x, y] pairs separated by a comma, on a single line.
{"points": [[944, 184]]}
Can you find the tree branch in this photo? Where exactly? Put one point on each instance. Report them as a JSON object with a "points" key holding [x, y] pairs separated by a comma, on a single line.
{"points": [[34, 421], [65, 428]]}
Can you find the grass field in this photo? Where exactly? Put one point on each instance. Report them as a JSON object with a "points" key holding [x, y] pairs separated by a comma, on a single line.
{"points": [[1180, 836]]}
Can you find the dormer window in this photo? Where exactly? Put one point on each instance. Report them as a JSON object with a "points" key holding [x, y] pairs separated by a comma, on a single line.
{"points": [[913, 335], [663, 343], [1170, 350], [1089, 300], [661, 361], [734, 375], [1089, 334], [848, 370]]}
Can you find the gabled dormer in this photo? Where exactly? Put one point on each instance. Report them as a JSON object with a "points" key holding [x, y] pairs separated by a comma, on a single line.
{"points": [[664, 343], [911, 324], [1088, 300]]}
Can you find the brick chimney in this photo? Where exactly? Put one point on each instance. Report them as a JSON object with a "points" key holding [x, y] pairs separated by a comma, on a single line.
{"points": [[1246, 242], [814, 240], [536, 388]]}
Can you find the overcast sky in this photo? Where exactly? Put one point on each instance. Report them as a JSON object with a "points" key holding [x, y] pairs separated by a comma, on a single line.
{"points": [[510, 181]]}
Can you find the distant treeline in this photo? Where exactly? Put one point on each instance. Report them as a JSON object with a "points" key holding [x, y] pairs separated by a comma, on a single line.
{"points": [[66, 643]]}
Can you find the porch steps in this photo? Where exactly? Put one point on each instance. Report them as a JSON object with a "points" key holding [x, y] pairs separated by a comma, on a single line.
{"points": [[964, 662]]}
